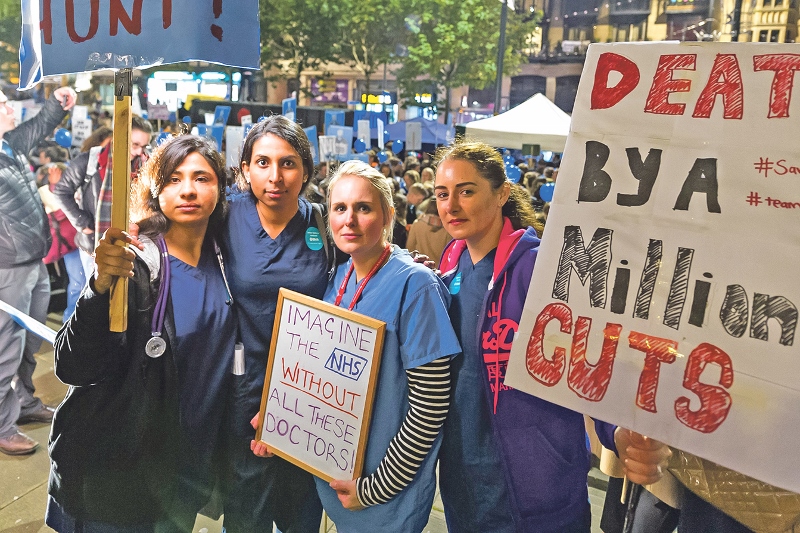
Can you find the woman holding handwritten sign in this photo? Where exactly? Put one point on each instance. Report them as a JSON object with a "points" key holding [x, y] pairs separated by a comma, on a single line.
{"points": [[509, 462], [134, 444], [413, 389]]}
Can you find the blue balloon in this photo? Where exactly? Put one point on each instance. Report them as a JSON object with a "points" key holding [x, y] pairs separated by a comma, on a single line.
{"points": [[514, 173], [385, 136], [397, 147], [383, 156], [63, 137], [187, 119], [508, 160], [360, 145], [262, 118], [162, 138], [546, 191]]}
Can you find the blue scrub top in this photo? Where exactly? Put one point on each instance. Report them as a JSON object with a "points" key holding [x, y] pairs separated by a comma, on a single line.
{"points": [[471, 479], [205, 328], [413, 303], [257, 266]]}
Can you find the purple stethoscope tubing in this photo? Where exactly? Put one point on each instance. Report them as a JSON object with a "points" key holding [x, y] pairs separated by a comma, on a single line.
{"points": [[163, 289]]}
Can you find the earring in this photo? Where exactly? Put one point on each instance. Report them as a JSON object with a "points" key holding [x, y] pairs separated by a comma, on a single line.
{"points": [[247, 177]]}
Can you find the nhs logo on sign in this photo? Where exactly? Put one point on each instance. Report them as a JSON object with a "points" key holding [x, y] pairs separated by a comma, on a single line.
{"points": [[346, 364]]}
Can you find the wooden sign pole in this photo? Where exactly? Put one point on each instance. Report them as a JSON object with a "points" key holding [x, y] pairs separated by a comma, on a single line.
{"points": [[120, 187]]}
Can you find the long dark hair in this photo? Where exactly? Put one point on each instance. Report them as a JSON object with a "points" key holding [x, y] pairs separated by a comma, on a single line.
{"points": [[155, 174], [489, 164], [285, 129], [97, 138]]}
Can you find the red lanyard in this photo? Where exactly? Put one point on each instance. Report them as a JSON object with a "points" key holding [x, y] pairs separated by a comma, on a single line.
{"points": [[364, 281]]}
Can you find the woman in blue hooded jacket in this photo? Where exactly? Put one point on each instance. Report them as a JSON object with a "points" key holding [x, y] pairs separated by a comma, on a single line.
{"points": [[509, 461]]}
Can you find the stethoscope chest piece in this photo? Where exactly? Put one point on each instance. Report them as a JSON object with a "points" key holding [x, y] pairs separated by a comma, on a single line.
{"points": [[155, 347]]}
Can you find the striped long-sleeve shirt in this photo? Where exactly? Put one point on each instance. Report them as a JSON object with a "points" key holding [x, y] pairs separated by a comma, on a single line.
{"points": [[429, 401]]}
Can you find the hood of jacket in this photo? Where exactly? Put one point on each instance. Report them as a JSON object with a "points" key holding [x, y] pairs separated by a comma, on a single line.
{"points": [[513, 243]]}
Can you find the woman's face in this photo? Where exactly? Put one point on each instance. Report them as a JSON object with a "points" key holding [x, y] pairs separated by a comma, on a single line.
{"points": [[357, 219], [275, 172], [467, 204], [191, 192]]}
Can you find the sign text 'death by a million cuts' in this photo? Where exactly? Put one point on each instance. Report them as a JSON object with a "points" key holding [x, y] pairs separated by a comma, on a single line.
{"points": [[665, 293]]}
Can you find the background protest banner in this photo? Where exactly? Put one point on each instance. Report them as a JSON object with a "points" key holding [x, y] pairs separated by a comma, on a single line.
{"points": [[665, 293], [321, 375], [80, 35]]}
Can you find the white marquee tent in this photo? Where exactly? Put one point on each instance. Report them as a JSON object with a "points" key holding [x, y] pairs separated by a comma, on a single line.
{"points": [[535, 121]]}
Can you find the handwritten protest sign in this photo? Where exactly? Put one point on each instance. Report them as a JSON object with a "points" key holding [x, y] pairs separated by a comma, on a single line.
{"points": [[665, 293], [321, 375], [81, 35]]}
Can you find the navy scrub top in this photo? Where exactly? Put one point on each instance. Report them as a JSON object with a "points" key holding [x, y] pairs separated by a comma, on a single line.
{"points": [[471, 478], [257, 266], [205, 328]]}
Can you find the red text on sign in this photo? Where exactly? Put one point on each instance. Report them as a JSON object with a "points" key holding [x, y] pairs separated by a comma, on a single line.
{"points": [[591, 381]]}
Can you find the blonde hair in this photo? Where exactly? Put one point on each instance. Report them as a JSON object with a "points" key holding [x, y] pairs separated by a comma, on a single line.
{"points": [[378, 181]]}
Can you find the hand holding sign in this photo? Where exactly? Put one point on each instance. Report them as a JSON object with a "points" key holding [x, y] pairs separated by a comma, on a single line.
{"points": [[256, 446], [346, 492], [644, 459]]}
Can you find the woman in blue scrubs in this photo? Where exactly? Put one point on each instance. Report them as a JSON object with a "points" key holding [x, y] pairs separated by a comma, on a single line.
{"points": [[413, 389], [273, 238], [135, 443]]}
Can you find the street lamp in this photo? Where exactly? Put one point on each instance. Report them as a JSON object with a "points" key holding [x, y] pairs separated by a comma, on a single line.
{"points": [[501, 48]]}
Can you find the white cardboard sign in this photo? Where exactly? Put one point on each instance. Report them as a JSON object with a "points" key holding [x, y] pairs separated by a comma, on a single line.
{"points": [[413, 136], [318, 392], [81, 130], [665, 293]]}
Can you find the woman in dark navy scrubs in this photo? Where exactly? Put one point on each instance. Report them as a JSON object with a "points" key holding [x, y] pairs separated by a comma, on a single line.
{"points": [[273, 238], [134, 444]]}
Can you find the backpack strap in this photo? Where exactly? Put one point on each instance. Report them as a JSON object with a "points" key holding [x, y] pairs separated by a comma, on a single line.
{"points": [[330, 253]]}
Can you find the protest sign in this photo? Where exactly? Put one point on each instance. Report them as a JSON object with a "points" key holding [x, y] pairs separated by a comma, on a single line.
{"points": [[413, 136], [311, 133], [333, 117], [81, 124], [664, 297], [321, 375], [289, 108], [84, 35], [344, 139], [362, 127], [157, 111], [327, 147], [234, 139]]}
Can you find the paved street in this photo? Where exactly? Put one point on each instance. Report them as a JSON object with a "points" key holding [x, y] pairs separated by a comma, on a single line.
{"points": [[23, 480]]}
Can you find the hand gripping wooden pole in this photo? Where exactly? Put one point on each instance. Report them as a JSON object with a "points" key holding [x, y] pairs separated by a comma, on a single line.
{"points": [[120, 187]]}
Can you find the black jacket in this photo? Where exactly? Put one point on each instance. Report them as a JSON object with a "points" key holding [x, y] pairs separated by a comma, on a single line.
{"points": [[24, 230], [115, 440], [80, 215]]}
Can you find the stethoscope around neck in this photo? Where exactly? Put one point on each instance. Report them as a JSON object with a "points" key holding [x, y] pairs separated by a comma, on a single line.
{"points": [[156, 346]]}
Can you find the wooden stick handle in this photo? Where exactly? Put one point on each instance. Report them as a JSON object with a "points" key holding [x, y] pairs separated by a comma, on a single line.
{"points": [[120, 188]]}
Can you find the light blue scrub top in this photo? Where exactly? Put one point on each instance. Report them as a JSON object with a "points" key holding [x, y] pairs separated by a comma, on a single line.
{"points": [[413, 302]]}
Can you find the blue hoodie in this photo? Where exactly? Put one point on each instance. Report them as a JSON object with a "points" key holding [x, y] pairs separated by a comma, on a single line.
{"points": [[540, 447]]}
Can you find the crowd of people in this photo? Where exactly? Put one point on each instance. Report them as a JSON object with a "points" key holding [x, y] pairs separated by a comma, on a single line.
{"points": [[156, 427]]}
